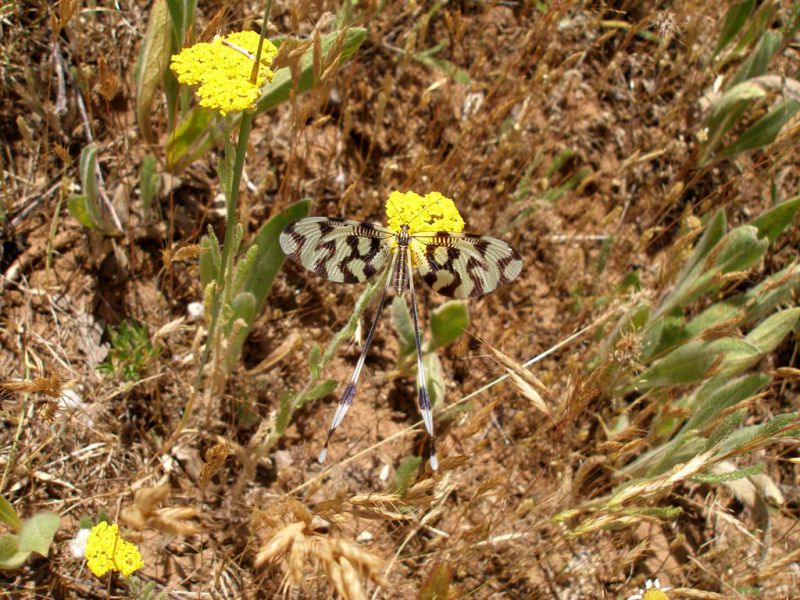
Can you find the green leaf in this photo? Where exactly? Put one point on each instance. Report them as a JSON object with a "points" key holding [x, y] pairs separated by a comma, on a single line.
{"points": [[153, 61], [270, 257], [37, 533], [725, 428], [88, 173], [694, 360], [758, 433], [729, 475], [756, 63], [720, 393], [404, 327], [77, 206], [437, 585], [682, 448], [735, 19], [321, 390], [148, 183], [750, 306], [315, 361], [777, 288], [8, 515], [177, 19], [434, 378], [453, 71], [279, 89], [406, 473], [740, 249], [715, 315], [770, 332], [448, 322], [10, 555], [714, 232], [726, 111], [662, 334], [764, 131], [243, 311], [771, 223], [193, 136], [86, 208], [210, 258], [284, 413], [9, 546]]}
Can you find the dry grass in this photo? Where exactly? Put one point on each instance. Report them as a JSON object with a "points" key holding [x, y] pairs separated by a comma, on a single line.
{"points": [[520, 507]]}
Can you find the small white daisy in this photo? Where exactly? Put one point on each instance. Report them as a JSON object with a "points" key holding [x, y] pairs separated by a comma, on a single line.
{"points": [[652, 591]]}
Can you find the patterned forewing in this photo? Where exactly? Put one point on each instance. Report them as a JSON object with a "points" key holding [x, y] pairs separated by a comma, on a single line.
{"points": [[462, 265], [336, 249]]}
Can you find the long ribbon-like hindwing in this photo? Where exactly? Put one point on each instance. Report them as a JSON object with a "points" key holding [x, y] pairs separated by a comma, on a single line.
{"points": [[350, 391]]}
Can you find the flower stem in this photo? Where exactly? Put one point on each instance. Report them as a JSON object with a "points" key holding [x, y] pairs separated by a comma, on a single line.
{"points": [[221, 285], [257, 63]]}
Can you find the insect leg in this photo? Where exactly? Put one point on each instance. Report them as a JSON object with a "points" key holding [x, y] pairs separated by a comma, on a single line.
{"points": [[350, 391], [424, 398]]}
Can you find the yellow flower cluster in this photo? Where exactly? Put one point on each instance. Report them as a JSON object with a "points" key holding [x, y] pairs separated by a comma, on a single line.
{"points": [[221, 70], [107, 551], [432, 212]]}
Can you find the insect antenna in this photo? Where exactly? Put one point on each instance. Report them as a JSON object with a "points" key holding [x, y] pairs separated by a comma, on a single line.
{"points": [[424, 398], [350, 391]]}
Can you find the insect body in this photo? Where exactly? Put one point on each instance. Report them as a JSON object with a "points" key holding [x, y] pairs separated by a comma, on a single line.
{"points": [[452, 263]]}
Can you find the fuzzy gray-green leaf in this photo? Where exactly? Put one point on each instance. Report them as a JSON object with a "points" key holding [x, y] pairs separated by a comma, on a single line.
{"points": [[321, 390], [434, 378], [772, 330], [756, 63], [37, 532], [153, 61], [148, 183], [10, 555], [406, 473], [764, 131], [209, 259], [741, 248], [735, 19], [8, 515], [448, 322], [315, 361], [770, 224], [404, 327], [720, 393], [725, 428]]}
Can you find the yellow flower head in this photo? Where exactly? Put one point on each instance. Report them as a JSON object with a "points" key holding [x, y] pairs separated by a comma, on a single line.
{"points": [[432, 212], [221, 70], [107, 551]]}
